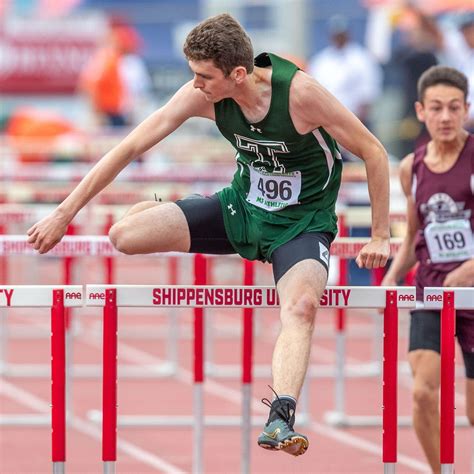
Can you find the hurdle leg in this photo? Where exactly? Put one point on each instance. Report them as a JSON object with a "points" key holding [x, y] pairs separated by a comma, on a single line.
{"points": [[390, 375], [58, 382], [247, 356], [109, 385], [447, 404], [198, 432], [172, 346]]}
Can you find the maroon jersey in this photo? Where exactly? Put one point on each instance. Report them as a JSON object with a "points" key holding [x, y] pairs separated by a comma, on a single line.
{"points": [[445, 208]]}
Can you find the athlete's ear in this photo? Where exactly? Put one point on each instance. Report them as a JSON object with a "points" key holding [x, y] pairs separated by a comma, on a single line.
{"points": [[239, 74], [420, 111]]}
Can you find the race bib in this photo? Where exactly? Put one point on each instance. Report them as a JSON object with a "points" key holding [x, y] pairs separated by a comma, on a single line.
{"points": [[449, 241], [273, 192]]}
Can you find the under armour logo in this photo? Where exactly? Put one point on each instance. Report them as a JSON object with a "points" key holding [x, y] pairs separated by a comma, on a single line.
{"points": [[255, 129], [324, 253], [232, 210]]}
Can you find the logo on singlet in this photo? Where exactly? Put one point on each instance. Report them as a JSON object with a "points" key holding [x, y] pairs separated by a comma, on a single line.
{"points": [[265, 151], [441, 207], [255, 129], [232, 210], [324, 253]]}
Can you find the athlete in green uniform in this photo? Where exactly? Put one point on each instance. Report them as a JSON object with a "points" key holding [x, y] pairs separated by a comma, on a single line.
{"points": [[280, 205]]}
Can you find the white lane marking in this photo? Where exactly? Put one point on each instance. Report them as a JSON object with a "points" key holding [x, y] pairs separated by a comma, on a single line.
{"points": [[35, 403]]}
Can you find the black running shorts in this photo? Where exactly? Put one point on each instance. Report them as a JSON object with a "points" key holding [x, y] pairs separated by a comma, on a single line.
{"points": [[425, 334], [208, 235]]}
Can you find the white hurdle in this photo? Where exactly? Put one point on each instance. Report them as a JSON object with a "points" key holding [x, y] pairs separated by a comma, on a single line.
{"points": [[112, 297]]}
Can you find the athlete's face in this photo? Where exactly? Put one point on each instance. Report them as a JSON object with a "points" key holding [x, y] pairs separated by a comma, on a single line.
{"points": [[443, 111], [211, 80]]}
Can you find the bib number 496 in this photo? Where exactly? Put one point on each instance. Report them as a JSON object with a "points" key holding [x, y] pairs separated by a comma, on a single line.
{"points": [[272, 189]]}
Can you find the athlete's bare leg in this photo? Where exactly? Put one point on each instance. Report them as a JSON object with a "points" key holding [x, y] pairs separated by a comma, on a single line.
{"points": [[300, 290], [150, 227], [425, 365]]}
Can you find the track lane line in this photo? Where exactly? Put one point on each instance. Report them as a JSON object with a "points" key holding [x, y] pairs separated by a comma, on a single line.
{"points": [[89, 429]]}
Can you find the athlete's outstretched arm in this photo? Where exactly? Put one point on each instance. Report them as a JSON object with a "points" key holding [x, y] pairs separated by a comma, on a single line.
{"points": [[312, 106], [187, 102]]}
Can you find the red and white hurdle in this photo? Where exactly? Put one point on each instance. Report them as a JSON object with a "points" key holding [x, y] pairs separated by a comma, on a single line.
{"points": [[200, 297], [58, 298]]}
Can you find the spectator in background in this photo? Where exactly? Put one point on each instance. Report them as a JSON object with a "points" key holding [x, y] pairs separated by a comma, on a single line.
{"points": [[134, 73], [116, 78], [457, 50], [347, 70], [416, 54]]}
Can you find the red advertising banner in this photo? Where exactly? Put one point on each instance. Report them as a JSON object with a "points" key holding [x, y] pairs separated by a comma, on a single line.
{"points": [[45, 56]]}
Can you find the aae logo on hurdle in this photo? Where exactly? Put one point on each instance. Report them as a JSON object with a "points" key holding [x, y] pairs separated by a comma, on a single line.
{"points": [[39, 295], [240, 296], [463, 297]]}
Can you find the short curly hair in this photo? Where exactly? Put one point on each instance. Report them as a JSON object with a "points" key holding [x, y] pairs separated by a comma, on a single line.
{"points": [[442, 75], [222, 39]]}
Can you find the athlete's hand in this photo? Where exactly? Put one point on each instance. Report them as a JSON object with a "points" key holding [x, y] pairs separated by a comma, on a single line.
{"points": [[374, 254], [461, 276], [46, 233]]}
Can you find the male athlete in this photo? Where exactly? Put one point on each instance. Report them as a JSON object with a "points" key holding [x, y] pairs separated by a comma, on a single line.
{"points": [[438, 181], [280, 206]]}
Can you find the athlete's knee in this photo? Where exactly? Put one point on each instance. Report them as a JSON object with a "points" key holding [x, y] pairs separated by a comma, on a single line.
{"points": [[121, 238], [302, 308], [425, 398], [141, 206]]}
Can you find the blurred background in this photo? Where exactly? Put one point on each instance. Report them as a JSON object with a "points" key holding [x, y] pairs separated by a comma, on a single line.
{"points": [[69, 68]]}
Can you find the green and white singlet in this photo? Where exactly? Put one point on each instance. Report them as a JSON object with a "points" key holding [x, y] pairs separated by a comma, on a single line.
{"points": [[285, 183]]}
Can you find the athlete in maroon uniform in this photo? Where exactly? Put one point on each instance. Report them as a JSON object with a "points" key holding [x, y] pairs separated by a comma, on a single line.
{"points": [[438, 181]]}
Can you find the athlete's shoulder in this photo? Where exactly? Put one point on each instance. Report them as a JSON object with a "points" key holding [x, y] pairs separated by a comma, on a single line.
{"points": [[304, 89], [191, 102]]}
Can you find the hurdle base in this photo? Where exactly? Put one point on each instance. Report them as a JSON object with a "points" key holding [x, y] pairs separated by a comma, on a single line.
{"points": [[166, 369], [58, 467], [25, 420], [342, 420], [369, 369], [109, 467], [178, 421], [447, 468], [389, 467]]}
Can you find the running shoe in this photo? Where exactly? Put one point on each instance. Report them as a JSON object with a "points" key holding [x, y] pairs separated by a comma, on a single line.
{"points": [[278, 433]]}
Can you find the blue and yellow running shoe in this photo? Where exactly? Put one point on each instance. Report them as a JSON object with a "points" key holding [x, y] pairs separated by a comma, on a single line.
{"points": [[278, 433]]}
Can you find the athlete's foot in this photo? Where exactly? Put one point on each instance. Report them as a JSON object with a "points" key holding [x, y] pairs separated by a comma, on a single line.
{"points": [[278, 433]]}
